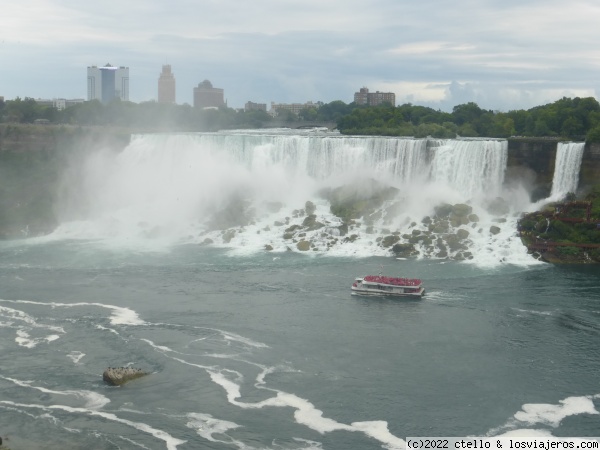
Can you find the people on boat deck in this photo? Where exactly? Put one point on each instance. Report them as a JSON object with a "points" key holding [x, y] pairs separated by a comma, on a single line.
{"points": [[393, 280]]}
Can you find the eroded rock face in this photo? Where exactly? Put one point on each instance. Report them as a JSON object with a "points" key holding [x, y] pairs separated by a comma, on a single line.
{"points": [[118, 376]]}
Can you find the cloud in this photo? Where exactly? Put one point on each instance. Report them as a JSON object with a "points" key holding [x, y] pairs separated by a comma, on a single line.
{"points": [[502, 54]]}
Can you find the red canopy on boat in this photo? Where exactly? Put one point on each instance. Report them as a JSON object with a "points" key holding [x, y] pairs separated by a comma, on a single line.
{"points": [[392, 280]]}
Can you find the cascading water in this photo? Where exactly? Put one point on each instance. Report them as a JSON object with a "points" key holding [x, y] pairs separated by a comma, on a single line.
{"points": [[473, 167], [249, 191], [566, 168]]}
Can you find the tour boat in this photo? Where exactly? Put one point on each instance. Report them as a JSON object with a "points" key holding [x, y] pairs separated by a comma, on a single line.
{"points": [[388, 286]]}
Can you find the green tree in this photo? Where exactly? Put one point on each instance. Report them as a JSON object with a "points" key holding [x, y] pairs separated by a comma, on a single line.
{"points": [[468, 112], [308, 114], [593, 135]]}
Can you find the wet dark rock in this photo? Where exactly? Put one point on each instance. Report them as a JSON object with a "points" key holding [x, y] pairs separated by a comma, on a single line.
{"points": [[403, 250], [117, 376], [228, 236], [390, 240], [462, 234], [359, 199], [443, 210], [292, 228], [343, 229], [311, 223], [460, 209]]}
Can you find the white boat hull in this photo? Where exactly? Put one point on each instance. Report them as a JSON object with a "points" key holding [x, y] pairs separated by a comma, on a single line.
{"points": [[378, 293], [371, 285]]}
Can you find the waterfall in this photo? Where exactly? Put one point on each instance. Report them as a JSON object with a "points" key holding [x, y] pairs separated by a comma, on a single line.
{"points": [[566, 168], [247, 190], [473, 167]]}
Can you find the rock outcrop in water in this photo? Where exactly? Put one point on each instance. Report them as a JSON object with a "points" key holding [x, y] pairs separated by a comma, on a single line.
{"points": [[118, 376], [565, 232]]}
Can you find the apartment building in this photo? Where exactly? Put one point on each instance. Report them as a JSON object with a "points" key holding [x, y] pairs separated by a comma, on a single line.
{"points": [[364, 97]]}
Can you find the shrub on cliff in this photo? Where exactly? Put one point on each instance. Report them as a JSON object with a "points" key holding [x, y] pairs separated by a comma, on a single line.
{"points": [[593, 135]]}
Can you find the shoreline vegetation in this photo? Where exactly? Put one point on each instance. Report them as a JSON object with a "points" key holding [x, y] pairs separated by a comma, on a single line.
{"points": [[565, 232], [33, 156], [567, 119]]}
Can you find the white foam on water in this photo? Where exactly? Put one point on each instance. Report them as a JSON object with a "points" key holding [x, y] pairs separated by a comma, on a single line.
{"points": [[123, 316], [525, 432], [92, 399], [379, 430], [206, 425], [162, 348], [309, 445], [75, 356], [26, 324], [538, 313], [137, 444], [232, 337], [306, 414], [541, 413], [120, 315], [170, 441], [549, 415], [100, 327]]}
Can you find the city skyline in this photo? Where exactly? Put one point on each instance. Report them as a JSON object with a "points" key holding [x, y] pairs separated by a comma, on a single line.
{"points": [[501, 55]]}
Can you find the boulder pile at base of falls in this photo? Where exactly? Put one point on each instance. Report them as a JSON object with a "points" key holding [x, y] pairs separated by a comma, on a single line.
{"points": [[366, 211]]}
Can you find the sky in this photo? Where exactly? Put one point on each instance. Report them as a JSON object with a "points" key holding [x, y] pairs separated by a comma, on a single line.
{"points": [[501, 54]]}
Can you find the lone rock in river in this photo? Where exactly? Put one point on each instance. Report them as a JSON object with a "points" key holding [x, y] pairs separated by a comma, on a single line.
{"points": [[121, 375]]}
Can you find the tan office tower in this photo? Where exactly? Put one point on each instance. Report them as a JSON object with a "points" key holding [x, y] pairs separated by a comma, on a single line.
{"points": [[166, 85]]}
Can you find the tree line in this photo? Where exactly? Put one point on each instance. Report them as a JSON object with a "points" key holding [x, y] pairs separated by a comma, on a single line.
{"points": [[569, 118]]}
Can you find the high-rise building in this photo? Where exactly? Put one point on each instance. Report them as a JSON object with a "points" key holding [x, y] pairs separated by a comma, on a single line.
{"points": [[206, 96], [166, 85], [364, 97], [107, 83]]}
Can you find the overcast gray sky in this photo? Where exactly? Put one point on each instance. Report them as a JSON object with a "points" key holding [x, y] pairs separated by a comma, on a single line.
{"points": [[501, 54]]}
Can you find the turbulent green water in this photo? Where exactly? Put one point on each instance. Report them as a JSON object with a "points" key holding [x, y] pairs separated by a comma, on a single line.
{"points": [[271, 351]]}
